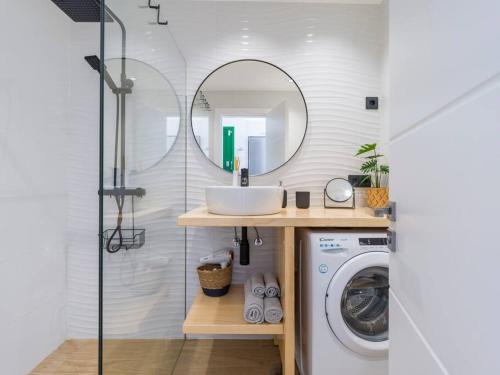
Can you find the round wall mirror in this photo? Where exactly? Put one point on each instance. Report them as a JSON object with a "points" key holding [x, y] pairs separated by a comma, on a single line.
{"points": [[152, 115], [249, 109]]}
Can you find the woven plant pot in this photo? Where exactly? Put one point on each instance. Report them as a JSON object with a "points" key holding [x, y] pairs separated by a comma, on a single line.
{"points": [[214, 280], [378, 197]]}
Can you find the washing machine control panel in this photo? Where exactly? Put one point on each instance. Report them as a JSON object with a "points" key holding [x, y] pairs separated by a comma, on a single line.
{"points": [[341, 242], [373, 241], [335, 242]]}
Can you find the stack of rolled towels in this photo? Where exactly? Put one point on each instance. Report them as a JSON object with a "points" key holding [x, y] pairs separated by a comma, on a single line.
{"points": [[262, 303]]}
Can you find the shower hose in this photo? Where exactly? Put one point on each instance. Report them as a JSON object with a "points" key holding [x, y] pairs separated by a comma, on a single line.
{"points": [[120, 198]]}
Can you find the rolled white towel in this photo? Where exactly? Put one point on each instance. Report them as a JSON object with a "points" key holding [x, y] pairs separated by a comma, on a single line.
{"points": [[272, 286], [254, 306], [273, 313], [257, 284]]}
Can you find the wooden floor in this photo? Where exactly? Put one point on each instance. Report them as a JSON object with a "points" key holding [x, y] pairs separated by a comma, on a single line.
{"points": [[164, 357]]}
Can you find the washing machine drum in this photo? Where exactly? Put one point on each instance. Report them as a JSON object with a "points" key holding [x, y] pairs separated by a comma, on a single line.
{"points": [[357, 304]]}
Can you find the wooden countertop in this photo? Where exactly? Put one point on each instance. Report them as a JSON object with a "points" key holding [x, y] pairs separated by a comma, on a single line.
{"points": [[288, 217]]}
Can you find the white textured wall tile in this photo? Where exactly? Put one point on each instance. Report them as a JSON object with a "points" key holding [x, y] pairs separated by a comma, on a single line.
{"points": [[34, 82]]}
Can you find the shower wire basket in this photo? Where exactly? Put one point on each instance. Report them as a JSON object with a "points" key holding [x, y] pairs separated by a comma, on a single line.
{"points": [[130, 238], [127, 239]]}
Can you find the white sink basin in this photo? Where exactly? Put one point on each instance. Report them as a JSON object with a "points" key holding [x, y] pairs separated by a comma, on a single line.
{"points": [[252, 200]]}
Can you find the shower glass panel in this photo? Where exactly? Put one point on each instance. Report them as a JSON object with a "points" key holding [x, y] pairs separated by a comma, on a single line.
{"points": [[143, 251]]}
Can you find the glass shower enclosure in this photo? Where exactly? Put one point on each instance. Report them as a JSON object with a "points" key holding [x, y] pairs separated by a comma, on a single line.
{"points": [[142, 191]]}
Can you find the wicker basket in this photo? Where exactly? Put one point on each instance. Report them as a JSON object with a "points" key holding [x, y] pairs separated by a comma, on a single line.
{"points": [[214, 280], [378, 197]]}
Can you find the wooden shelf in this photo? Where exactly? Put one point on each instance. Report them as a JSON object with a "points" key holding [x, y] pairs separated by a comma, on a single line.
{"points": [[288, 217], [224, 315]]}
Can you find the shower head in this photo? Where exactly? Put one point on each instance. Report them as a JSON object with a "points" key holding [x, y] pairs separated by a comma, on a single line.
{"points": [[95, 63], [82, 10]]}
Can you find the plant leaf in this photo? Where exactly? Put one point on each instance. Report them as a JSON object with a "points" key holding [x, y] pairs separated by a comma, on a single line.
{"points": [[367, 177], [366, 148], [384, 169], [369, 166], [374, 156]]}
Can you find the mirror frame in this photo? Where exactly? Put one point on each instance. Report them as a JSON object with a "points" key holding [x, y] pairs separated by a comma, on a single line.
{"points": [[260, 61]]}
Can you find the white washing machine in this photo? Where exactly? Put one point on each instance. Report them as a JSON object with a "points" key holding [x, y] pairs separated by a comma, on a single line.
{"points": [[342, 302]]}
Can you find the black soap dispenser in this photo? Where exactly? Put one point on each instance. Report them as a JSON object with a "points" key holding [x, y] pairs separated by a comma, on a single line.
{"points": [[244, 177], [285, 196]]}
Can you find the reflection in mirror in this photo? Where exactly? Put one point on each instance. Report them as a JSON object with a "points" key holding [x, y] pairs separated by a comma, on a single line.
{"points": [[152, 117], [252, 110], [339, 190]]}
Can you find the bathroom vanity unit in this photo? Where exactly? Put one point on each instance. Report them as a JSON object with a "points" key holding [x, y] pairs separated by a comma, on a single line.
{"points": [[225, 315]]}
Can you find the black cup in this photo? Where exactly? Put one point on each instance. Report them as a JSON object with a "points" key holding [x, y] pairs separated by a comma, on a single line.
{"points": [[302, 199]]}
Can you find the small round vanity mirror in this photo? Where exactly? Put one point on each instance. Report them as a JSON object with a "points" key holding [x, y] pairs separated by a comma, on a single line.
{"points": [[152, 116], [252, 110], [339, 190]]}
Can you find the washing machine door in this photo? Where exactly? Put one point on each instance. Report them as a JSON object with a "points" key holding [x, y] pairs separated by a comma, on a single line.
{"points": [[357, 304]]}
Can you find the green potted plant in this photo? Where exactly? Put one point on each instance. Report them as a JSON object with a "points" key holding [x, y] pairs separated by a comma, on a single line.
{"points": [[378, 195]]}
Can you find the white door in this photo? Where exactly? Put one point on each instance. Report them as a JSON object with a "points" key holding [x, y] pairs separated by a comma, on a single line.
{"points": [[445, 178]]}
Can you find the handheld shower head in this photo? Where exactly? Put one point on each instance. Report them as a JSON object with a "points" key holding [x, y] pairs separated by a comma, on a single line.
{"points": [[95, 63]]}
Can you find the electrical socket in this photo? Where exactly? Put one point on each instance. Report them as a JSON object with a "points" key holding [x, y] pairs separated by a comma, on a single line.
{"points": [[371, 102]]}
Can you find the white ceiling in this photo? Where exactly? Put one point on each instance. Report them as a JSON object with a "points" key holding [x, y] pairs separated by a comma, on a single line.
{"points": [[249, 76]]}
